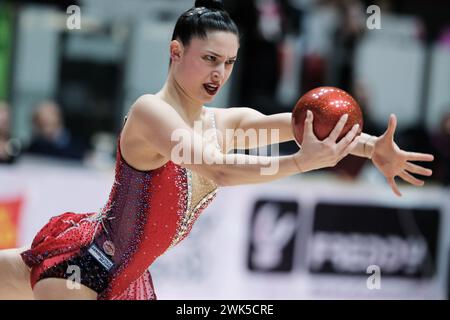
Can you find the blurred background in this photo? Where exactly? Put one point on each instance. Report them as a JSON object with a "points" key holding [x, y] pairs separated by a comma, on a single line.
{"points": [[65, 89]]}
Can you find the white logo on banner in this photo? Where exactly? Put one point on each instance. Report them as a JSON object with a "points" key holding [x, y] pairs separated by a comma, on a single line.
{"points": [[270, 236], [352, 252], [373, 281]]}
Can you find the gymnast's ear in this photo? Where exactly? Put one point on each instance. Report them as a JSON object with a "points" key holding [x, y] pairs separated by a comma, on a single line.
{"points": [[176, 50]]}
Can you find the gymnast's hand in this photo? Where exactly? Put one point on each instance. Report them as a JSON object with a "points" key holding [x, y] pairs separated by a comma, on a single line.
{"points": [[392, 161], [315, 154]]}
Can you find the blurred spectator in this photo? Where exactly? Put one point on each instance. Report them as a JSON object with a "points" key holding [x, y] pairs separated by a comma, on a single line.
{"points": [[444, 38], [348, 33], [320, 23], [9, 148], [364, 96], [441, 142], [263, 24], [51, 138]]}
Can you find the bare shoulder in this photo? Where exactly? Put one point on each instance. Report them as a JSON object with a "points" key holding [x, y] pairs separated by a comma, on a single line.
{"points": [[146, 104], [140, 113], [135, 149]]}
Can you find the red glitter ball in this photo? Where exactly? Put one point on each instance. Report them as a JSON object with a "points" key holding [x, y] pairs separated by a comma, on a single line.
{"points": [[328, 104]]}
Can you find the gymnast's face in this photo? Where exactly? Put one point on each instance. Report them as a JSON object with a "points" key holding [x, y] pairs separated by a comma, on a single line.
{"points": [[204, 66]]}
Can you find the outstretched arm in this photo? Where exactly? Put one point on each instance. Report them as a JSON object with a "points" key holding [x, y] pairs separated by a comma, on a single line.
{"points": [[250, 119], [384, 152], [160, 127], [166, 133]]}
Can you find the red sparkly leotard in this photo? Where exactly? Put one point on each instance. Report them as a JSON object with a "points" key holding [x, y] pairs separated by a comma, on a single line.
{"points": [[147, 213]]}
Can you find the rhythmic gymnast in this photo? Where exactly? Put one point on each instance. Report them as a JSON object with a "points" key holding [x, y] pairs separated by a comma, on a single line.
{"points": [[156, 198]]}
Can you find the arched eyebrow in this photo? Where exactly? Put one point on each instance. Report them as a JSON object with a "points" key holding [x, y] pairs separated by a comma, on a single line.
{"points": [[218, 55]]}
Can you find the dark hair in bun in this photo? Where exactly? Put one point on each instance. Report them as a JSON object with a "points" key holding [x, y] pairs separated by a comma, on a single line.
{"points": [[206, 16], [210, 4]]}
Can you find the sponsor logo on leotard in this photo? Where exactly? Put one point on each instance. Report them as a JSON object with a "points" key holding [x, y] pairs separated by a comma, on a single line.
{"points": [[100, 257]]}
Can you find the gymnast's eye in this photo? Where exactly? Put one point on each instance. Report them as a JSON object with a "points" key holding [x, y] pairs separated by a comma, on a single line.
{"points": [[231, 62], [210, 58]]}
